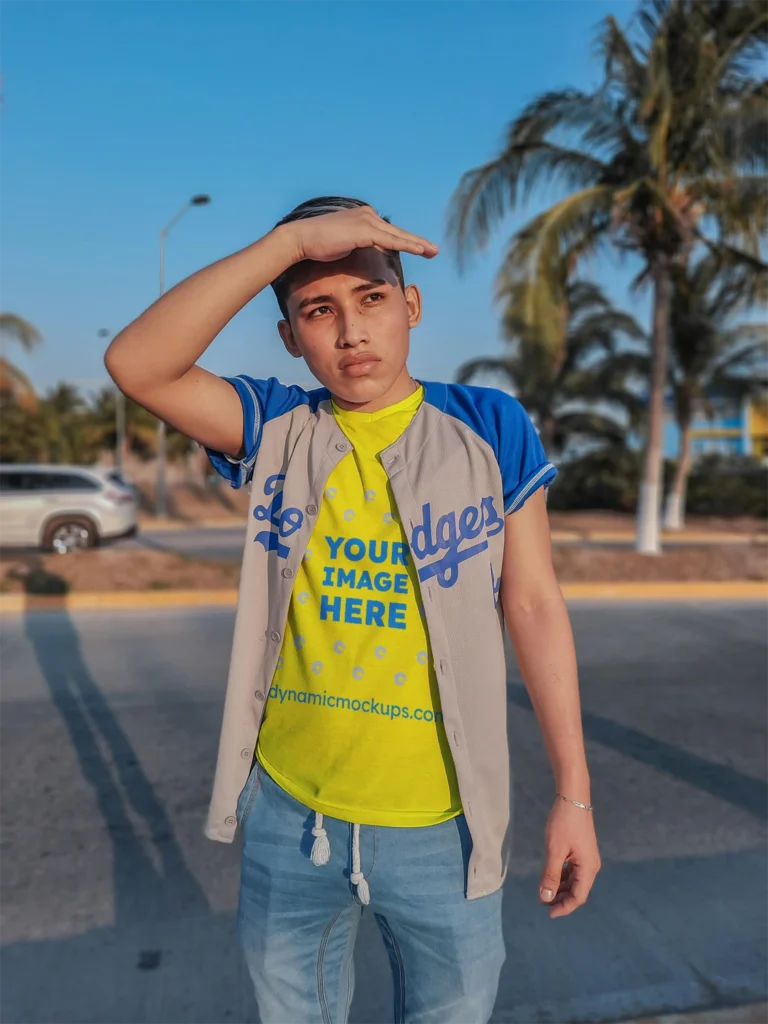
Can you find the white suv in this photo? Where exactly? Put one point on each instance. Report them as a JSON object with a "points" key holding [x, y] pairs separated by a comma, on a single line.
{"points": [[64, 508]]}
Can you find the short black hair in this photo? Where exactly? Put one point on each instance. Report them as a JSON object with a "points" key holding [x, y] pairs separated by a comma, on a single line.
{"points": [[316, 208]]}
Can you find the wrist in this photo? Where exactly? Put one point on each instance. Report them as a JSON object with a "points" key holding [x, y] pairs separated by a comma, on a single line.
{"points": [[286, 241], [575, 785]]}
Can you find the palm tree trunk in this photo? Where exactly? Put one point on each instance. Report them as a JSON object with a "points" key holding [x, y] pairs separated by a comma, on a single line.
{"points": [[674, 514], [649, 506]]}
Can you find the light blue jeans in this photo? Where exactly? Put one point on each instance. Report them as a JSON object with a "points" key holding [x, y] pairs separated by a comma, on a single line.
{"points": [[297, 922]]}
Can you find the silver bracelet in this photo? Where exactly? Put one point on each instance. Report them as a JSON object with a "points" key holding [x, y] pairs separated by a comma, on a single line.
{"points": [[586, 807]]}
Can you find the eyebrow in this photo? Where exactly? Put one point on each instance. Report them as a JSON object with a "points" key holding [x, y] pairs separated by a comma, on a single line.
{"points": [[377, 282]]}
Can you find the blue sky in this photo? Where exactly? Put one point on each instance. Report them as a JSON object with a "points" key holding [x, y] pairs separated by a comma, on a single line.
{"points": [[114, 113]]}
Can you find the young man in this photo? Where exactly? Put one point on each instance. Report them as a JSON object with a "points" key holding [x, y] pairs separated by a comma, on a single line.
{"points": [[393, 526]]}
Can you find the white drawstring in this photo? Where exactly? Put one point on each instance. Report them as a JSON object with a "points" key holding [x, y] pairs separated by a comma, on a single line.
{"points": [[321, 848], [321, 854], [357, 877]]}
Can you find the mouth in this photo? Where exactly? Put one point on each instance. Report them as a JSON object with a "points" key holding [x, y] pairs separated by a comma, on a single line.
{"points": [[358, 366]]}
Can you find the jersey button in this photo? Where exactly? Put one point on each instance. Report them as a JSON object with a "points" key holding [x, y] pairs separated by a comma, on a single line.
{"points": [[311, 510], [274, 635], [342, 446], [259, 695], [288, 574], [230, 820]]}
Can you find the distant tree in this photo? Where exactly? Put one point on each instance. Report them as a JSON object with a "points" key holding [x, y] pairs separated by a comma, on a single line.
{"points": [[713, 349], [580, 390], [12, 381], [669, 152]]}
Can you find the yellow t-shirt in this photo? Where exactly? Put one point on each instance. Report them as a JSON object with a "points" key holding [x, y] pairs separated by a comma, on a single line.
{"points": [[353, 726]]}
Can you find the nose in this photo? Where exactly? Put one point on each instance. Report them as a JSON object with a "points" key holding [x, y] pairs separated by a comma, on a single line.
{"points": [[352, 332]]}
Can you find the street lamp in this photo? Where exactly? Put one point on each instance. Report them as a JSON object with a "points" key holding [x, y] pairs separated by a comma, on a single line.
{"points": [[160, 496], [119, 418]]}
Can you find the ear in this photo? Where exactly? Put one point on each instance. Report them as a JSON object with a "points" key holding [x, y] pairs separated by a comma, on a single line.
{"points": [[285, 332], [413, 302]]}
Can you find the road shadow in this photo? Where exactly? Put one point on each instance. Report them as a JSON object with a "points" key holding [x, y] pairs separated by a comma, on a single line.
{"points": [[123, 792], [719, 780], [35, 579]]}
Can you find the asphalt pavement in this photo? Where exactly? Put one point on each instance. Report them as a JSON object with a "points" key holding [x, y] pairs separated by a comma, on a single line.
{"points": [[117, 909]]}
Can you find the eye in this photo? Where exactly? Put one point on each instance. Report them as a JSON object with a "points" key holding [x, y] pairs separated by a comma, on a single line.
{"points": [[318, 309], [375, 295]]}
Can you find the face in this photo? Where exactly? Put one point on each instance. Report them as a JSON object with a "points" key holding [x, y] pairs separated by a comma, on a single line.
{"points": [[350, 320]]}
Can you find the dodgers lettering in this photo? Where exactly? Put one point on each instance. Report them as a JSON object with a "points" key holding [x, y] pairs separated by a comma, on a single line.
{"points": [[283, 522], [448, 535]]}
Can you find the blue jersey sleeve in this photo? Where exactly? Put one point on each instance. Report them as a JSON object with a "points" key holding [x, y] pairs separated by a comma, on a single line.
{"points": [[522, 459], [505, 425], [262, 401]]}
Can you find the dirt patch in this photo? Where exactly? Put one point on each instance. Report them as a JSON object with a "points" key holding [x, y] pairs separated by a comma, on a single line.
{"points": [[709, 562], [586, 522], [112, 569], [193, 503]]}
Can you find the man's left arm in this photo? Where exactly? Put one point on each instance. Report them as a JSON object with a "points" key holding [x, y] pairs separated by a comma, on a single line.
{"points": [[538, 623]]}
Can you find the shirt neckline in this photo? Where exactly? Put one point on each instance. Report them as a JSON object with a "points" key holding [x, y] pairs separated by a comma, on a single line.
{"points": [[352, 418]]}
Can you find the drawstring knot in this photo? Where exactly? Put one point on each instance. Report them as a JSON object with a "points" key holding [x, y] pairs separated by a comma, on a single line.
{"points": [[357, 878], [321, 848], [321, 854]]}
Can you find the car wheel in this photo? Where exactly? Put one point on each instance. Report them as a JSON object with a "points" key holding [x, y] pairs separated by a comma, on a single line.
{"points": [[70, 533]]}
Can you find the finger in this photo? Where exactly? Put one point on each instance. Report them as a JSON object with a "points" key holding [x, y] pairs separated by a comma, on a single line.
{"points": [[579, 888], [581, 884], [551, 878], [403, 241]]}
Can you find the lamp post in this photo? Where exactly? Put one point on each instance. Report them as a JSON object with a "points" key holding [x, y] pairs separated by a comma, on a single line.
{"points": [[119, 418], [160, 495]]}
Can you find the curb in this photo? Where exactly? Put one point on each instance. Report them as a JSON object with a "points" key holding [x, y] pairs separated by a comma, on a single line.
{"points": [[185, 526], [658, 590], [114, 600], [676, 540], [752, 1013], [745, 590]]}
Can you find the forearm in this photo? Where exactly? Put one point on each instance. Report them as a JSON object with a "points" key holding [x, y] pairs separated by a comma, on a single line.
{"points": [[165, 342], [543, 641]]}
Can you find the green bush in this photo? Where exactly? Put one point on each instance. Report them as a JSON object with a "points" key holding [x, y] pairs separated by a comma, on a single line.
{"points": [[606, 479], [728, 486], [609, 478]]}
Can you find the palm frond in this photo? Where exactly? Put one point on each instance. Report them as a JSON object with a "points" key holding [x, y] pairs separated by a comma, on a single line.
{"points": [[487, 193], [20, 330], [486, 366], [588, 424], [17, 384], [621, 65], [533, 265]]}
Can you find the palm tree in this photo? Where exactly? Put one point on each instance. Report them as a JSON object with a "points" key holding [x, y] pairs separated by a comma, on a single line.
{"points": [[560, 389], [140, 427], [12, 380], [711, 352], [669, 152]]}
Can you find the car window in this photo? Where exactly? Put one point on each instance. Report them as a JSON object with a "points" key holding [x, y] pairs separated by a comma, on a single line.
{"points": [[24, 482], [11, 482], [20, 482], [65, 482]]}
